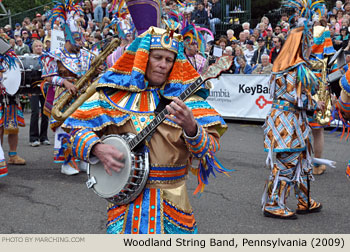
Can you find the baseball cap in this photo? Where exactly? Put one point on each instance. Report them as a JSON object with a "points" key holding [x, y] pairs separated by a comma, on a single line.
{"points": [[260, 39], [249, 42], [17, 24], [38, 15], [284, 30]]}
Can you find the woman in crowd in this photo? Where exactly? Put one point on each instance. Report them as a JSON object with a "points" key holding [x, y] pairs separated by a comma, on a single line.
{"points": [[36, 135], [243, 68]]}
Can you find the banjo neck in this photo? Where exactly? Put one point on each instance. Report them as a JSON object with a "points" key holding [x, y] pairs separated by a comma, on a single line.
{"points": [[213, 71], [161, 116]]}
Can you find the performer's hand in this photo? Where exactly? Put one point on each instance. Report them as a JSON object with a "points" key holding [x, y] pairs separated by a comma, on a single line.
{"points": [[70, 87], [111, 158], [183, 116]]}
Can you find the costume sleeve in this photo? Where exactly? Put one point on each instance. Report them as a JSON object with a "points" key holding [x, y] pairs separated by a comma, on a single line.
{"points": [[210, 126], [50, 70], [78, 144]]}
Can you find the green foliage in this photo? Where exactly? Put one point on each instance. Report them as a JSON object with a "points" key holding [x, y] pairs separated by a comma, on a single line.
{"points": [[17, 6]]}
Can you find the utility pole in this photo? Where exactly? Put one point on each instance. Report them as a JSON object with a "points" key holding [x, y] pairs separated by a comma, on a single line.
{"points": [[6, 13]]}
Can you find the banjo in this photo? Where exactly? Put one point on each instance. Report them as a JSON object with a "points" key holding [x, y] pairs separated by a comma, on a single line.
{"points": [[123, 187]]}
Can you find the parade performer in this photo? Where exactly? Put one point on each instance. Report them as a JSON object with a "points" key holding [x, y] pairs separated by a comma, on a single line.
{"points": [[125, 29], [195, 44], [63, 66], [152, 69], [11, 115], [286, 128], [322, 51]]}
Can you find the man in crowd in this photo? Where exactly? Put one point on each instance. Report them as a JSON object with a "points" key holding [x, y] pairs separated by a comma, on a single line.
{"points": [[260, 51], [278, 42], [201, 16], [20, 47], [265, 67], [249, 51]]}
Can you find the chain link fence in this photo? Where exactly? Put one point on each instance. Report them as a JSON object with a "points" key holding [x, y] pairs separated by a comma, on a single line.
{"points": [[18, 17]]}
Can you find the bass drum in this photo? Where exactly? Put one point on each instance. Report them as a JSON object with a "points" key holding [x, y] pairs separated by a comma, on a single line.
{"points": [[12, 78], [31, 74]]}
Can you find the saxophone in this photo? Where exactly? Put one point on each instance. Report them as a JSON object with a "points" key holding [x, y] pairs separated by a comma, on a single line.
{"points": [[68, 103], [323, 117]]}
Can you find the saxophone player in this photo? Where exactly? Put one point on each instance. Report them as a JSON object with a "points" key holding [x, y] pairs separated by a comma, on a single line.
{"points": [[61, 67], [322, 51]]}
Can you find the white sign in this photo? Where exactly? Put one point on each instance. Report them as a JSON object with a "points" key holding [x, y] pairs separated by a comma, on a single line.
{"points": [[241, 96], [57, 39]]}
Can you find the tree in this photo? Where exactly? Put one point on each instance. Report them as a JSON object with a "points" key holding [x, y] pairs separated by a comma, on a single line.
{"points": [[17, 6]]}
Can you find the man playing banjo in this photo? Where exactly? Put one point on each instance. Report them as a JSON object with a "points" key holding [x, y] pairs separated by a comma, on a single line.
{"points": [[151, 70]]}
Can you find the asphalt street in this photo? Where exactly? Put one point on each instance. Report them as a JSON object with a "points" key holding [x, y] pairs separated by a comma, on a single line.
{"points": [[38, 199]]}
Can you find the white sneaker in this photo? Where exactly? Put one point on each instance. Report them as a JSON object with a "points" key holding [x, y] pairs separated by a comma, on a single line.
{"points": [[35, 144], [68, 170], [46, 142], [83, 166]]}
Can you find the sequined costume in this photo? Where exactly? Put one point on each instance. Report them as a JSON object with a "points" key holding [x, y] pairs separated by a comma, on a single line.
{"points": [[59, 65], [286, 130], [125, 103]]}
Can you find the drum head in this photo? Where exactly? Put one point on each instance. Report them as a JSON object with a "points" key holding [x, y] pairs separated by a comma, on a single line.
{"points": [[12, 79], [108, 186]]}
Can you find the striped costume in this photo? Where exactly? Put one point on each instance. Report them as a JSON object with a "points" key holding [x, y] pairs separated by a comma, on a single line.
{"points": [[125, 103], [286, 131]]}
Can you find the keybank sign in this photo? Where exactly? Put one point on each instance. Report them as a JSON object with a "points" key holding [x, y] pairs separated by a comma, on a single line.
{"points": [[240, 96], [258, 89]]}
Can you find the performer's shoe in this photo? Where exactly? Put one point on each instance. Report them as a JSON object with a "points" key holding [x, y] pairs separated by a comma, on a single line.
{"points": [[68, 170], [278, 212], [303, 208], [16, 160], [318, 169]]}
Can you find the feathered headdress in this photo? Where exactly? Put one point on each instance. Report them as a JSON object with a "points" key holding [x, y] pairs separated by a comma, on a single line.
{"points": [[68, 15], [122, 19], [7, 60], [308, 11], [192, 34]]}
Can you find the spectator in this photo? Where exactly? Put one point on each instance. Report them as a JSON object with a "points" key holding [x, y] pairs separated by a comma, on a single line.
{"points": [[20, 47], [26, 38], [35, 135], [88, 13], [265, 67], [243, 68], [12, 43], [260, 51], [230, 35], [249, 51], [278, 30], [8, 31], [242, 39], [284, 33], [346, 8], [17, 31], [100, 12], [341, 41], [200, 16], [215, 15], [105, 22], [278, 42], [47, 44], [268, 38], [238, 53], [222, 42], [246, 27]]}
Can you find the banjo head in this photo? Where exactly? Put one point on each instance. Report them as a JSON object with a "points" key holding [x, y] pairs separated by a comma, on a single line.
{"points": [[107, 186]]}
